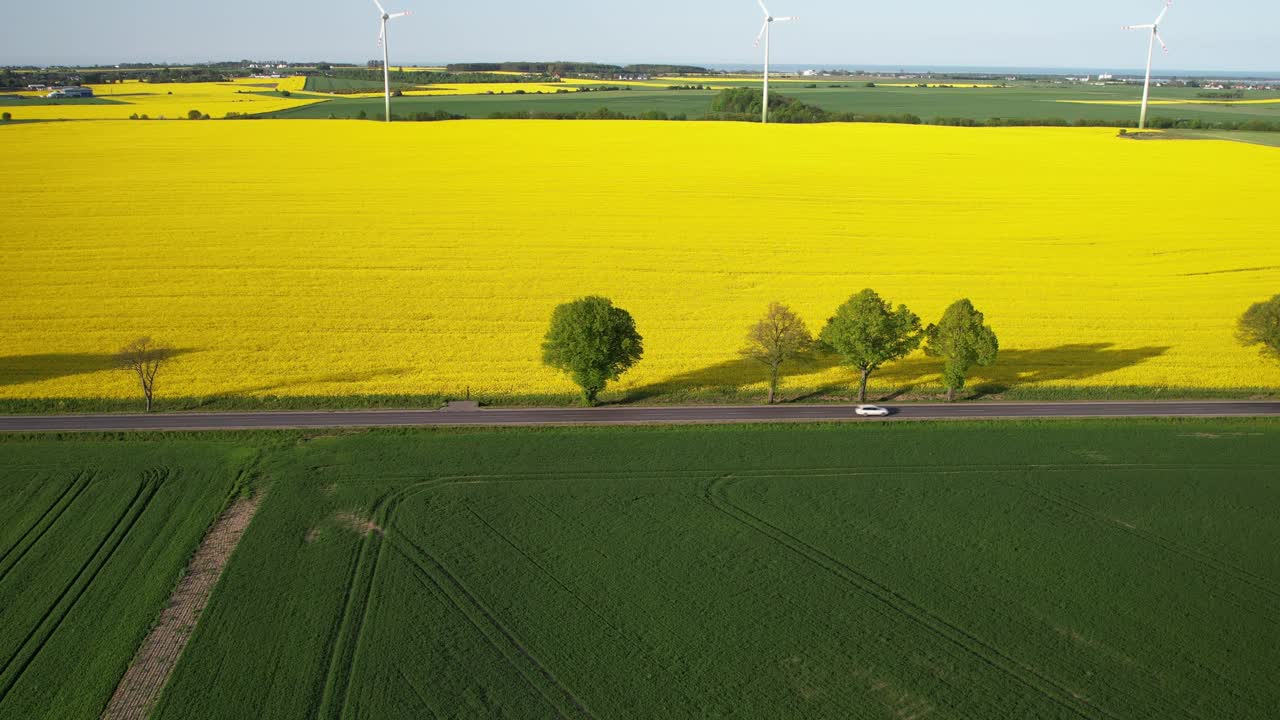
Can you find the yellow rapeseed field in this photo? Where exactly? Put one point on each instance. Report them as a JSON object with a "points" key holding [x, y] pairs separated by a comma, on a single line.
{"points": [[449, 89], [173, 100], [345, 258]]}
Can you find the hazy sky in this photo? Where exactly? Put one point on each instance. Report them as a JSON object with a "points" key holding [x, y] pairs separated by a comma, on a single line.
{"points": [[1203, 34]]}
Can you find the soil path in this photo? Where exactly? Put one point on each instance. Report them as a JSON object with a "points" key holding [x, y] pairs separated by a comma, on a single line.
{"points": [[151, 667]]}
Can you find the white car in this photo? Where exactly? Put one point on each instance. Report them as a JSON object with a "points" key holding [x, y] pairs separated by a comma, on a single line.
{"points": [[872, 411]]}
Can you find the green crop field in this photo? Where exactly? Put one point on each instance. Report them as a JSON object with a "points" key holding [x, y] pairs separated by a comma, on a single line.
{"points": [[93, 537], [330, 84], [20, 101], [1027, 570], [1024, 100]]}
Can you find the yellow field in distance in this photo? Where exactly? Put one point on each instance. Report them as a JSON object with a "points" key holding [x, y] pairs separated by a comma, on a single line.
{"points": [[246, 96], [347, 258]]}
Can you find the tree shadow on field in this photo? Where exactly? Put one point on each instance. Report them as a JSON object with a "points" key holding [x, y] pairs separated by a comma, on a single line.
{"points": [[1014, 368], [23, 369], [727, 378]]}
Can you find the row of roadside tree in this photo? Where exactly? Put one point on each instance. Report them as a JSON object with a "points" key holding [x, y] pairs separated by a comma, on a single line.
{"points": [[594, 342]]}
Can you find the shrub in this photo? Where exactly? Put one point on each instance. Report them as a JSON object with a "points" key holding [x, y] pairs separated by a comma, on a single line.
{"points": [[285, 93], [6, 117], [194, 115]]}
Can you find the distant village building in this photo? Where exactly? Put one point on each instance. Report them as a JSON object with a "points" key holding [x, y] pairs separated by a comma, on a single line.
{"points": [[71, 92]]}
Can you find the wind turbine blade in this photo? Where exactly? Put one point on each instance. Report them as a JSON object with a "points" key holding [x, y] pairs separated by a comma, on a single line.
{"points": [[400, 15], [1138, 27], [1162, 45], [765, 9], [1164, 12], [763, 29], [786, 19], [382, 32], [380, 8]]}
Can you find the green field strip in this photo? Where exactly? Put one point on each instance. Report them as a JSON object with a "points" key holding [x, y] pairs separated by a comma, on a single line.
{"points": [[670, 696], [1154, 662], [29, 539], [599, 554], [13, 668], [1266, 586], [943, 629]]}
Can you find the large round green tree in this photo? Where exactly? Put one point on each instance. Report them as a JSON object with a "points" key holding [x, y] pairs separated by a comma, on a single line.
{"points": [[593, 342], [964, 340], [1260, 327], [868, 332]]}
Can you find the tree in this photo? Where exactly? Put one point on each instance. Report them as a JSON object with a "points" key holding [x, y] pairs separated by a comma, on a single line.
{"points": [[1260, 325], [963, 340], [594, 342], [143, 357], [867, 333], [780, 336]]}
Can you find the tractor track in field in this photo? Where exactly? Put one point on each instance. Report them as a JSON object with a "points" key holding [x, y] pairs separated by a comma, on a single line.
{"points": [[902, 606], [345, 638], [344, 650], [155, 660], [1262, 584], [430, 567], [74, 488], [634, 642], [344, 644], [16, 665]]}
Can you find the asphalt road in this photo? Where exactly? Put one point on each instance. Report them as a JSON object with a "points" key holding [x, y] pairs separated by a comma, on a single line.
{"points": [[622, 416]]}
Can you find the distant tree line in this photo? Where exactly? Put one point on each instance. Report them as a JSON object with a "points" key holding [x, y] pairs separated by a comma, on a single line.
{"points": [[603, 113], [10, 80], [1221, 94]]}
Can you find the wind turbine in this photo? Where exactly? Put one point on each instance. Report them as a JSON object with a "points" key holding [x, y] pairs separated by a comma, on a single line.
{"points": [[769, 20], [386, 53], [1151, 49]]}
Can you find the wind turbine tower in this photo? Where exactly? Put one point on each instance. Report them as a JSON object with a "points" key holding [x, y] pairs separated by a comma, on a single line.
{"points": [[386, 53], [1151, 50], [769, 20]]}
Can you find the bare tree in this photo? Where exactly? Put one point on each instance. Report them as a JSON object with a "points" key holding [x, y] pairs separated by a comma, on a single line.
{"points": [[143, 358], [780, 336]]}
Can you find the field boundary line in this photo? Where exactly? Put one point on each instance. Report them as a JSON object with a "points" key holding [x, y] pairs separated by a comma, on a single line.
{"points": [[972, 645], [78, 486], [80, 583], [156, 658]]}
